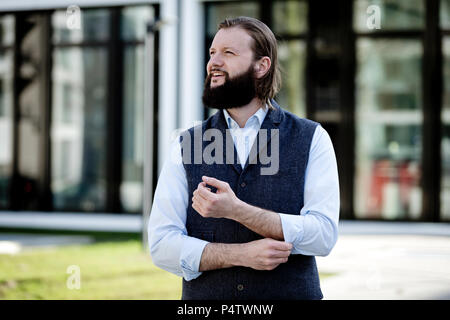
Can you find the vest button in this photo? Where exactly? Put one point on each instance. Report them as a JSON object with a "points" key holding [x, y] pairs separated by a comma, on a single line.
{"points": [[240, 287], [243, 184]]}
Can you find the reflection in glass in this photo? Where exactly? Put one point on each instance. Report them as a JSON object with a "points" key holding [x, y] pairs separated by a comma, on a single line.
{"points": [[7, 30], [394, 14], [289, 17], [134, 22], [131, 187], [94, 26], [291, 55], [444, 12], [218, 12], [6, 107], [445, 143], [78, 129], [6, 101], [388, 129]]}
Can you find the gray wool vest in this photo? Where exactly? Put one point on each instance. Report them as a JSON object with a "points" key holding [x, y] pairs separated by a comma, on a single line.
{"points": [[280, 192]]}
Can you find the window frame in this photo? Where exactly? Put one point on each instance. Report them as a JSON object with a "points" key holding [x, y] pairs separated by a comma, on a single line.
{"points": [[115, 47]]}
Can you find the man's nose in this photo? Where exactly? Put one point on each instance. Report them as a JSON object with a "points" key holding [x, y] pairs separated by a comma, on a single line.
{"points": [[216, 61]]}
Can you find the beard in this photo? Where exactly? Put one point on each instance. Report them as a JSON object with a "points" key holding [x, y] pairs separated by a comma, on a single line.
{"points": [[234, 93]]}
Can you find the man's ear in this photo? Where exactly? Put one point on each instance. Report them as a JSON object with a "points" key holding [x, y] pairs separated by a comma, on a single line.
{"points": [[262, 67]]}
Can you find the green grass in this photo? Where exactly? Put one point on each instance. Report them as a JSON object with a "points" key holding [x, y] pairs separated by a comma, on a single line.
{"points": [[108, 270]]}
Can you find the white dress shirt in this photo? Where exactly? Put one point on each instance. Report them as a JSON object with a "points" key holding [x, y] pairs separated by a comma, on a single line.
{"points": [[312, 231]]}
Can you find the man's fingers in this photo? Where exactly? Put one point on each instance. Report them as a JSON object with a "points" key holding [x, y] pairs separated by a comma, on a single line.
{"points": [[275, 263], [196, 205], [206, 193], [281, 245], [280, 260], [280, 254], [221, 185], [199, 196]]}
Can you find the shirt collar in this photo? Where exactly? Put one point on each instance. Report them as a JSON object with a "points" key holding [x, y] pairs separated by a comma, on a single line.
{"points": [[258, 115]]}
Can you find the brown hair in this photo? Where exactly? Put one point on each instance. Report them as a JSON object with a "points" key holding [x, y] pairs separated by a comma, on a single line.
{"points": [[264, 44]]}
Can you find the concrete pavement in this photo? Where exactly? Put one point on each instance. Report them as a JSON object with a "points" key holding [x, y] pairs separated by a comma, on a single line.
{"points": [[381, 266]]}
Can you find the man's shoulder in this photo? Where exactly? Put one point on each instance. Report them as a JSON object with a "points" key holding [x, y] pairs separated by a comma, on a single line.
{"points": [[294, 119]]}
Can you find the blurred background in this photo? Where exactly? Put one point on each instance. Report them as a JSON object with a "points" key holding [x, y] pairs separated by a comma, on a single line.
{"points": [[74, 96]]}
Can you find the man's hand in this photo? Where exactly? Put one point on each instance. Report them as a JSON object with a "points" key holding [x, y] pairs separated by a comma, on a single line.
{"points": [[266, 254], [222, 204], [225, 204]]}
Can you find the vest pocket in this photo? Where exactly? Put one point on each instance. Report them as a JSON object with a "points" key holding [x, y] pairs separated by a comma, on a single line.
{"points": [[207, 235]]}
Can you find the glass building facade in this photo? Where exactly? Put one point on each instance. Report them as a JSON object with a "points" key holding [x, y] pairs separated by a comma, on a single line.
{"points": [[75, 140], [370, 89], [72, 101]]}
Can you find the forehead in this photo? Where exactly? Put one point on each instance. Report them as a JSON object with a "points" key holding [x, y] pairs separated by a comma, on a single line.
{"points": [[234, 37]]}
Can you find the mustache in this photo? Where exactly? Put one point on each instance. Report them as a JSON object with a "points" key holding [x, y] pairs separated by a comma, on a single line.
{"points": [[217, 70]]}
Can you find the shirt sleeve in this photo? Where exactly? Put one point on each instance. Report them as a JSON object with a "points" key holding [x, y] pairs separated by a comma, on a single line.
{"points": [[170, 246], [314, 231]]}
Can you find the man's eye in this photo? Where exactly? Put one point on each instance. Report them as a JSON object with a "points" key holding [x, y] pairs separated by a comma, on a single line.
{"points": [[229, 52]]}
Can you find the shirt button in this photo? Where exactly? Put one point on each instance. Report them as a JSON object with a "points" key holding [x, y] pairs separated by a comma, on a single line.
{"points": [[240, 287], [243, 184]]}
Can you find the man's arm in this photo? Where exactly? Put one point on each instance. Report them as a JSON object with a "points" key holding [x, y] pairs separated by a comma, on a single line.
{"points": [[313, 231], [171, 248], [264, 254]]}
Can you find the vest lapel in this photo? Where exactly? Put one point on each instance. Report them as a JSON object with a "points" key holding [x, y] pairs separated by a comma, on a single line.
{"points": [[218, 121]]}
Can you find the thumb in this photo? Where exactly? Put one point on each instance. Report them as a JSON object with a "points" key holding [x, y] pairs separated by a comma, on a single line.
{"points": [[221, 185]]}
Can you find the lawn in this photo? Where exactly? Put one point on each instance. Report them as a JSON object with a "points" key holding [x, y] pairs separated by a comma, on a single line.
{"points": [[108, 270]]}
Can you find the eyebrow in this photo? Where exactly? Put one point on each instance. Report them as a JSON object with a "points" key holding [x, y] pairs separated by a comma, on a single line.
{"points": [[234, 49]]}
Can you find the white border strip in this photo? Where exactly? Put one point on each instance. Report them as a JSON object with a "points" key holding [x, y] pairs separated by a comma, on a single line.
{"points": [[29, 5]]}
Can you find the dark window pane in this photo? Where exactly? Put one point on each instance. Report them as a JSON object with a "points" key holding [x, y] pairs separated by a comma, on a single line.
{"points": [[134, 21], [394, 14], [218, 12], [388, 129], [78, 133], [131, 187], [292, 57], [94, 26], [290, 17], [445, 146], [6, 100]]}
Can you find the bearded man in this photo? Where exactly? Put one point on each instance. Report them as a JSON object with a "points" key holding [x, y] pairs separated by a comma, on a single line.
{"points": [[230, 231]]}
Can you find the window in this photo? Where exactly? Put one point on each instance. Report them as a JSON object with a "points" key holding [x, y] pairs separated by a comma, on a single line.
{"points": [[134, 20], [388, 118], [82, 86], [98, 107], [445, 115], [288, 21], [6, 103], [395, 15], [290, 25], [216, 13]]}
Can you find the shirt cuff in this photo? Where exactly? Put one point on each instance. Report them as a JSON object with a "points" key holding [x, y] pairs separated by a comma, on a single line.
{"points": [[190, 257], [293, 229]]}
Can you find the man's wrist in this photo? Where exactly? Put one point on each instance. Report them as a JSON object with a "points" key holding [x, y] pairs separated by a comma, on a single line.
{"points": [[241, 209], [223, 255], [240, 254]]}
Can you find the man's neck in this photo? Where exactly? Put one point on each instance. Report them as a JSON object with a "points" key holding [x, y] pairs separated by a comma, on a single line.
{"points": [[242, 114]]}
